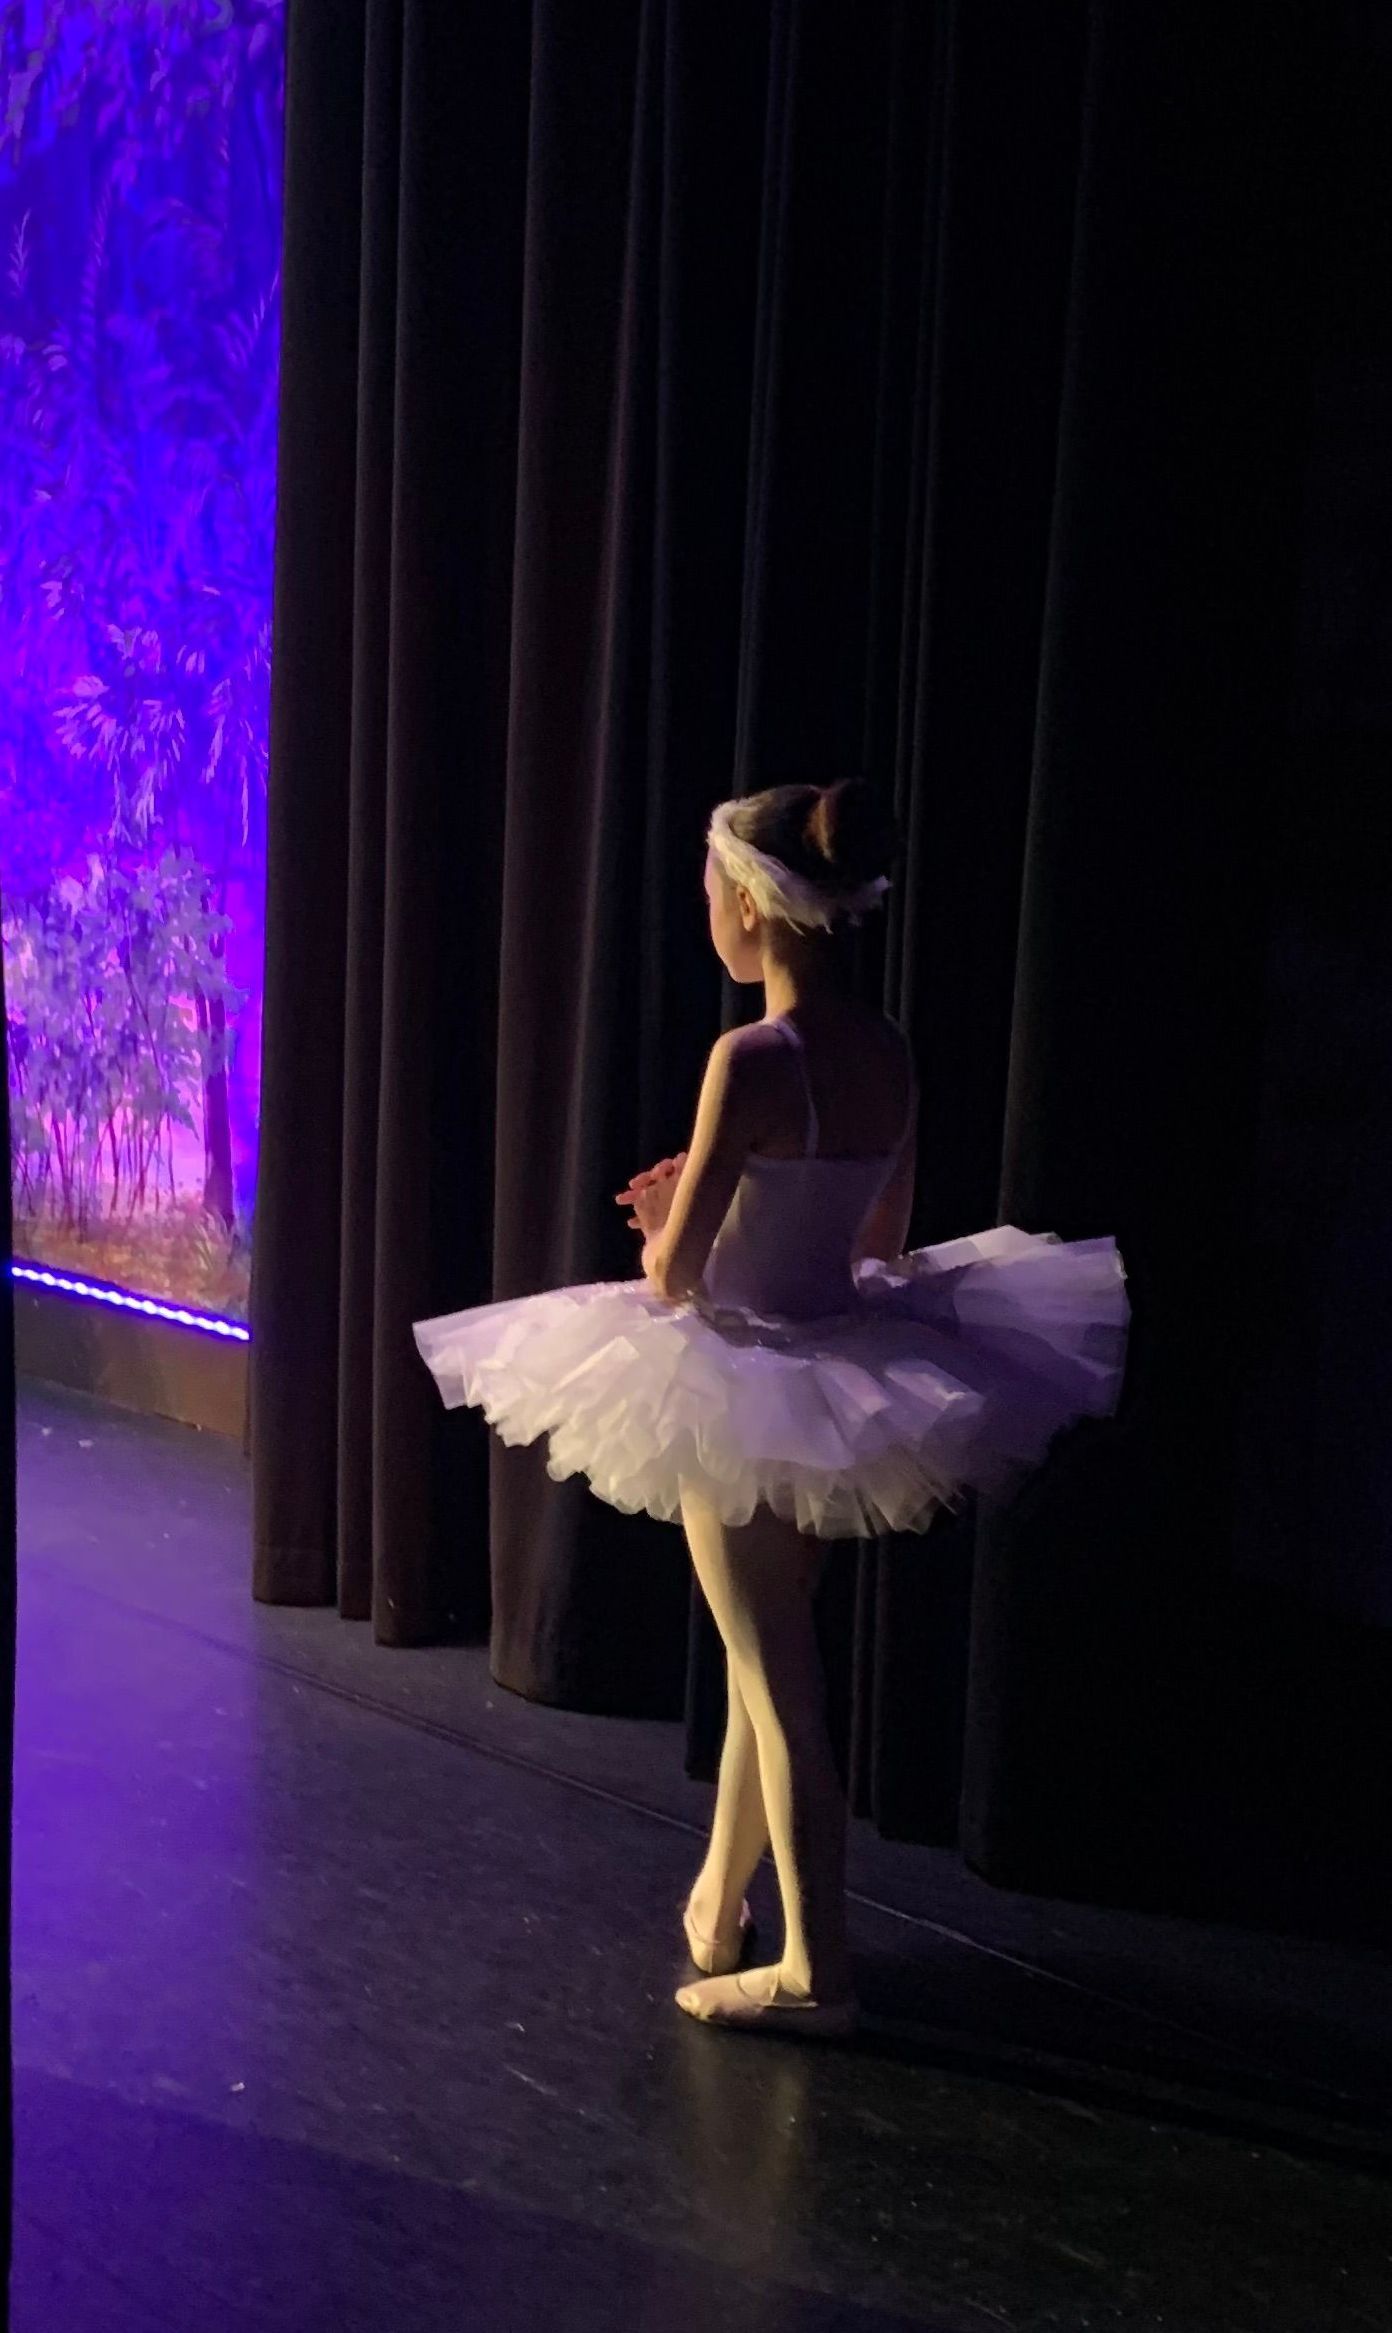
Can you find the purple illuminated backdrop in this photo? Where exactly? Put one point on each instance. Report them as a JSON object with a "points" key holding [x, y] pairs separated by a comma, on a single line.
{"points": [[139, 245]]}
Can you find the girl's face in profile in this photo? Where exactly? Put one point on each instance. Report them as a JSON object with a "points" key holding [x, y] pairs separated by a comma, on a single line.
{"points": [[734, 924]]}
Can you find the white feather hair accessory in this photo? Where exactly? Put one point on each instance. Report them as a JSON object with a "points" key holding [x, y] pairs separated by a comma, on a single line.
{"points": [[776, 891]]}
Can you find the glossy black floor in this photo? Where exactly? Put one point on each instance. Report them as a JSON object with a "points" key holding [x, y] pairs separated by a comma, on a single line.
{"points": [[343, 2002]]}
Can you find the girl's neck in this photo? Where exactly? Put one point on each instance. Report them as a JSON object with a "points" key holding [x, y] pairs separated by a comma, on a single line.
{"points": [[788, 986]]}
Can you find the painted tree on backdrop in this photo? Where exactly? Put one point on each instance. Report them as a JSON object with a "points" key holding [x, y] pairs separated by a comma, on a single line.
{"points": [[139, 246]]}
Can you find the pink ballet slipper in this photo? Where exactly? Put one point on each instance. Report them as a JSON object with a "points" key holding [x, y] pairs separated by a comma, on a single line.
{"points": [[708, 1952], [769, 2007]]}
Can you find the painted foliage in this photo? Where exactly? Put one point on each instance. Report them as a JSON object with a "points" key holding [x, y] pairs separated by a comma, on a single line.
{"points": [[139, 246]]}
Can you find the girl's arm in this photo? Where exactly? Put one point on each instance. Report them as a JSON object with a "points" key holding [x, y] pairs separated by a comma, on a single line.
{"points": [[886, 1231], [674, 1256]]}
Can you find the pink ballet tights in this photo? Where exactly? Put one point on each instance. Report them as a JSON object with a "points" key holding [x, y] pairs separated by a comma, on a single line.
{"points": [[778, 1783]]}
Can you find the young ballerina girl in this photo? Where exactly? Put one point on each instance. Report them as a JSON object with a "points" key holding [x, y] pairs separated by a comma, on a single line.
{"points": [[782, 1374]]}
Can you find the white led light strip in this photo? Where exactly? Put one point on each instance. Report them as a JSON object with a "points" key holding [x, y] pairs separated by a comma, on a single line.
{"points": [[150, 1306]]}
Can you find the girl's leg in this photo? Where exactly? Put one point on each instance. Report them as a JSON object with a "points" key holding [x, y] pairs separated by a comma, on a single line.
{"points": [[739, 1826], [759, 1579]]}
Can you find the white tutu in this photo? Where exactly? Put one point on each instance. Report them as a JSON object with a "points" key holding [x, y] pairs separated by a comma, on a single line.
{"points": [[955, 1370]]}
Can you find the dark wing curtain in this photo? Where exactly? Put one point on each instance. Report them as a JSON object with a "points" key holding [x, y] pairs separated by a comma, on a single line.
{"points": [[691, 394]]}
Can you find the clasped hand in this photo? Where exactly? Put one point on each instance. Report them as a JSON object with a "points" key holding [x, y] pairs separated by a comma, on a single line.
{"points": [[650, 1194]]}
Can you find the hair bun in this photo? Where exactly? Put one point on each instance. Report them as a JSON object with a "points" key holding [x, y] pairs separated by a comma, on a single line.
{"points": [[850, 830]]}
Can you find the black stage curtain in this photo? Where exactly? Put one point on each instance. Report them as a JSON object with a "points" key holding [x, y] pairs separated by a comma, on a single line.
{"points": [[691, 394]]}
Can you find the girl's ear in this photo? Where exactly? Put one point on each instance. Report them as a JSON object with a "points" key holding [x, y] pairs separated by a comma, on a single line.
{"points": [[748, 912]]}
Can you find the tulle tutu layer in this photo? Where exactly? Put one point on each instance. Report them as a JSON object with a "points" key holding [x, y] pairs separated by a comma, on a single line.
{"points": [[954, 1372]]}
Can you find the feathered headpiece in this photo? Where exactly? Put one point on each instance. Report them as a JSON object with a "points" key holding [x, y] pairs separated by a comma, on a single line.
{"points": [[777, 892]]}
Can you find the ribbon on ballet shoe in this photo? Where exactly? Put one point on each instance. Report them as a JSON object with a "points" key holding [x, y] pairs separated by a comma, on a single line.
{"points": [[727, 2001]]}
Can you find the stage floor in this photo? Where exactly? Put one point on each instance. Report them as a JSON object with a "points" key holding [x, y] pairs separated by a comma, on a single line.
{"points": [[343, 2003]]}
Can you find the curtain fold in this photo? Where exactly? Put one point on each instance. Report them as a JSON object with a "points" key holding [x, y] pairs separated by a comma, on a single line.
{"points": [[1096, 1734], [684, 397], [406, 155]]}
